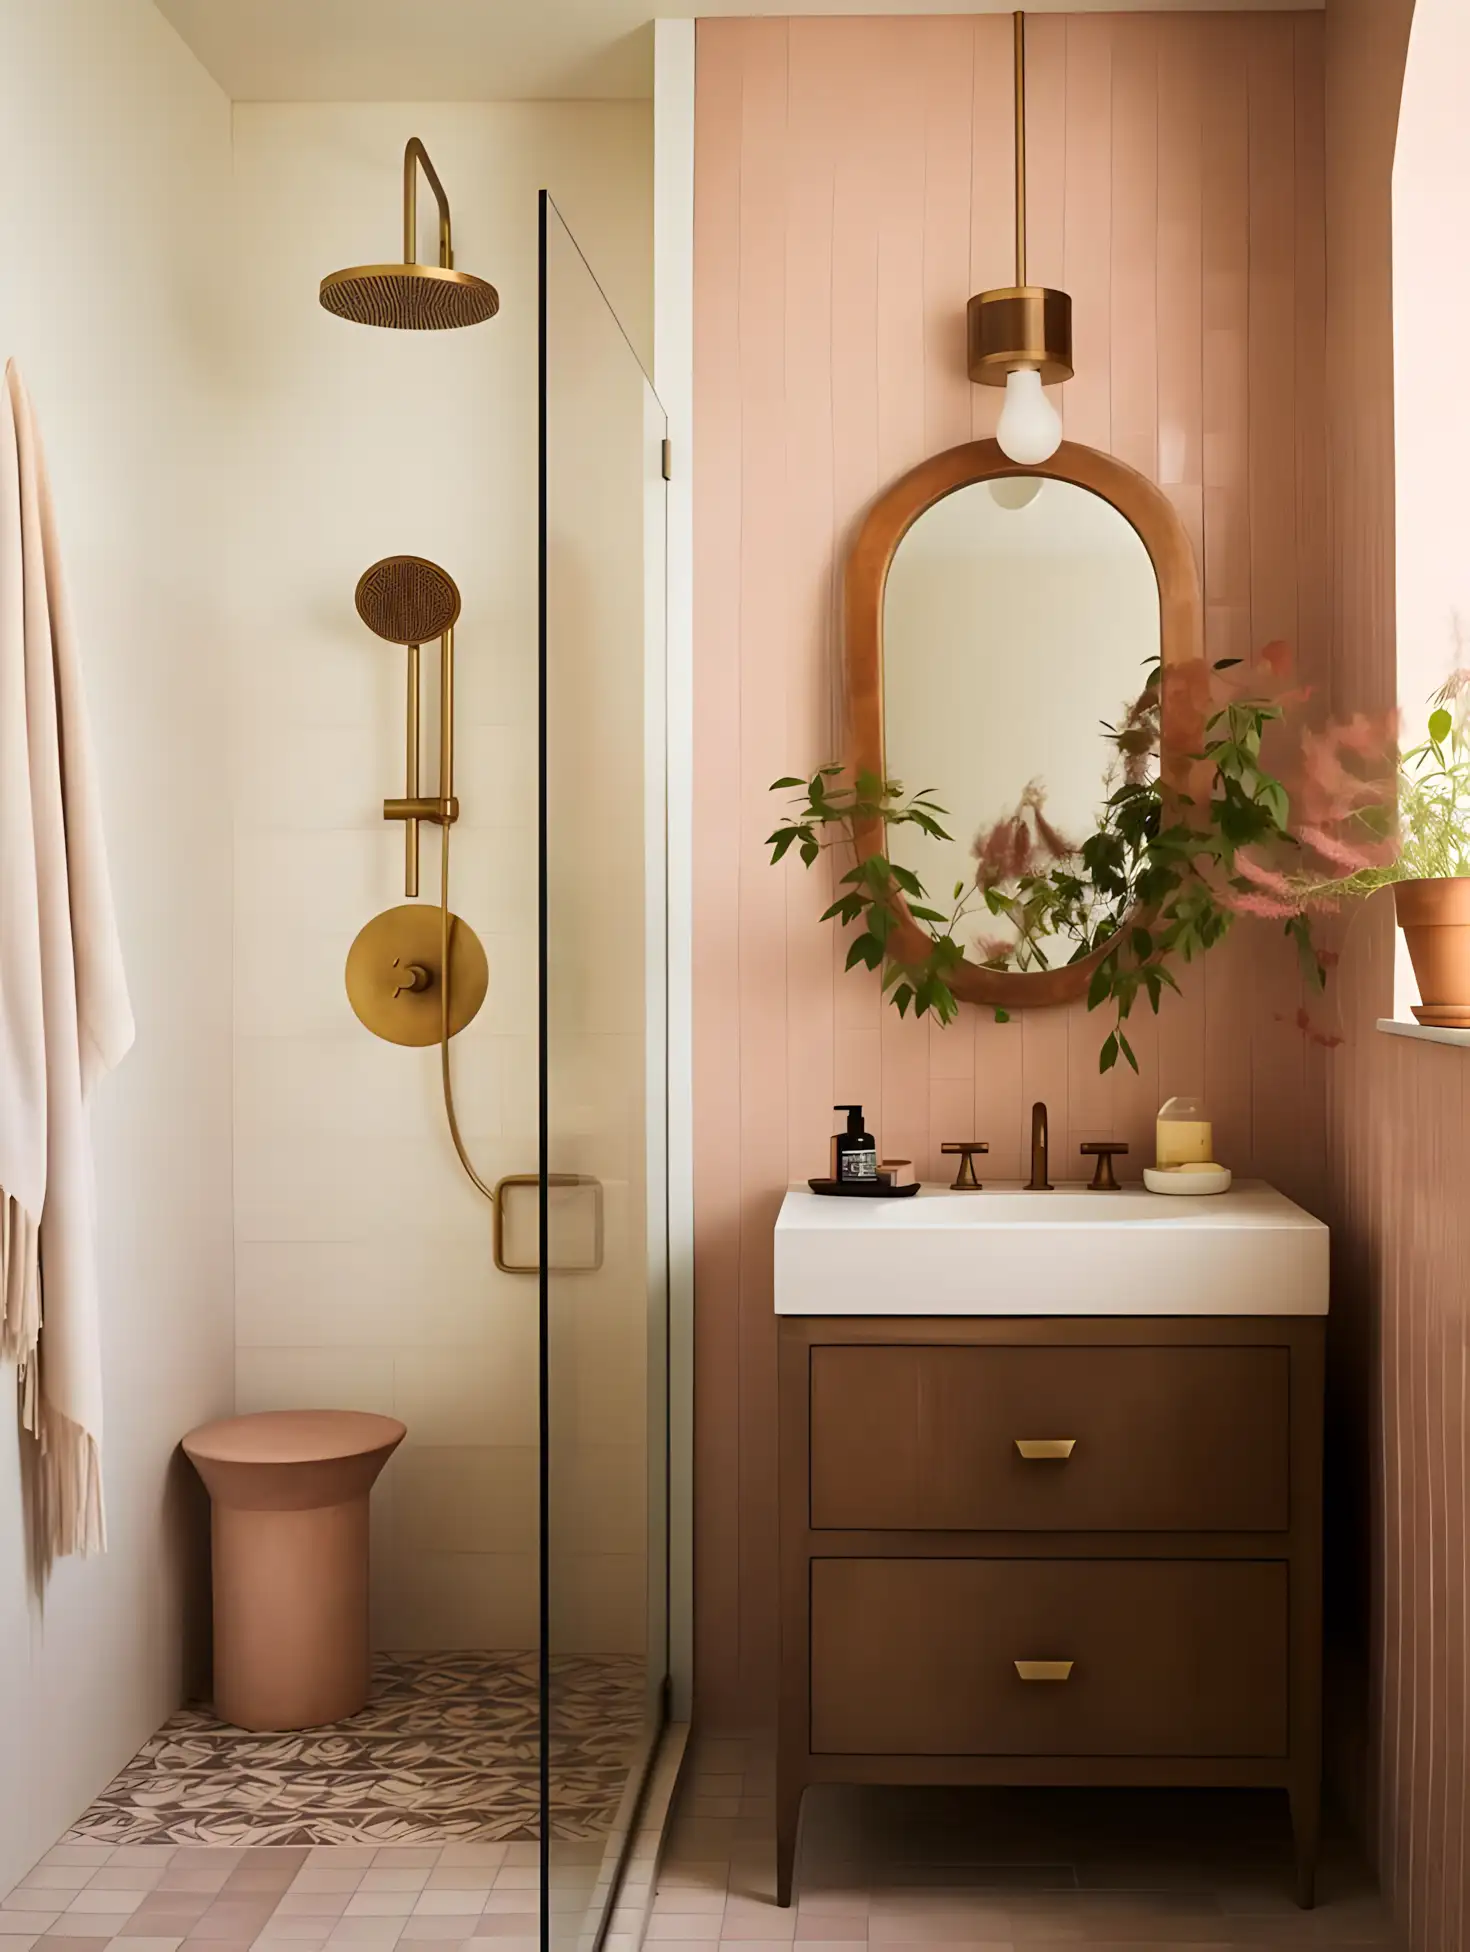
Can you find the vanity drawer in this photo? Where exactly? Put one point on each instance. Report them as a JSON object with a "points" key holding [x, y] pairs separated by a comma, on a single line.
{"points": [[1163, 1438], [1169, 1657]]}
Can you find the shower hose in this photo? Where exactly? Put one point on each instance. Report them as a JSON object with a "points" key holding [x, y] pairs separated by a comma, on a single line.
{"points": [[446, 925]]}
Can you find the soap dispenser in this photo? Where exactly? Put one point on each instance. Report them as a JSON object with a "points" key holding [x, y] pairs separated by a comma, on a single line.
{"points": [[855, 1151]]}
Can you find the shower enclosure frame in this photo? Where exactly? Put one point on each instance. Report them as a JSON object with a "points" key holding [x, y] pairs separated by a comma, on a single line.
{"points": [[658, 1211]]}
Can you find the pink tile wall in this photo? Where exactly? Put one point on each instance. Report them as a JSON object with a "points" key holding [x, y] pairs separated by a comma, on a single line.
{"points": [[852, 190], [1399, 1123]]}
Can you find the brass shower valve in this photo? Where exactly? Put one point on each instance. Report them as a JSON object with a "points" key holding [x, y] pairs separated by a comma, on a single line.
{"points": [[443, 813], [412, 978]]}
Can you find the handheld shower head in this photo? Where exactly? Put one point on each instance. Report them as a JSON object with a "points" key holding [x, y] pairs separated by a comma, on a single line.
{"points": [[407, 600], [411, 296]]}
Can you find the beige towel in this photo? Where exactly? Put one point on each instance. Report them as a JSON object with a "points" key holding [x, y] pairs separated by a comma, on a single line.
{"points": [[64, 1012]]}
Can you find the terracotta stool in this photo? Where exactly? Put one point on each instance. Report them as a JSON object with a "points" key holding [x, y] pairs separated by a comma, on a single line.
{"points": [[290, 1495]]}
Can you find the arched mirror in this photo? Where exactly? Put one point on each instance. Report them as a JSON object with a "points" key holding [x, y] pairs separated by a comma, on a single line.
{"points": [[999, 620]]}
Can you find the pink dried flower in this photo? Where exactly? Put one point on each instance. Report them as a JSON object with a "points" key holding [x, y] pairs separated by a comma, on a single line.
{"points": [[1275, 884], [1266, 906], [1011, 849], [1341, 855], [1302, 1021]]}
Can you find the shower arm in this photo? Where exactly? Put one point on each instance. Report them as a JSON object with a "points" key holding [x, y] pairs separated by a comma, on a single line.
{"points": [[415, 153]]}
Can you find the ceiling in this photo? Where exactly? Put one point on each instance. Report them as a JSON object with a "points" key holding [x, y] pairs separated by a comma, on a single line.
{"points": [[502, 50]]}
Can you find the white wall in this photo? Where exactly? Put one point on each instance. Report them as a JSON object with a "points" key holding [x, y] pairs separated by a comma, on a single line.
{"points": [[363, 1265], [114, 147], [1431, 205]]}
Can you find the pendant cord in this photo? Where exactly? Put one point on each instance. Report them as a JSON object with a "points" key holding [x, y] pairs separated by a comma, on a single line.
{"points": [[1020, 37]]}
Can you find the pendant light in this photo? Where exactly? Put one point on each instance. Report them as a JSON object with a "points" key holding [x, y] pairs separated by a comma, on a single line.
{"points": [[1020, 336]]}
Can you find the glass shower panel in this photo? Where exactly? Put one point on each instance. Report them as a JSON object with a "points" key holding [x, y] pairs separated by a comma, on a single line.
{"points": [[603, 1247]]}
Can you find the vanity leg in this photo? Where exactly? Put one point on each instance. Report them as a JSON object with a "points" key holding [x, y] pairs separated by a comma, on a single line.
{"points": [[788, 1819], [1306, 1819]]}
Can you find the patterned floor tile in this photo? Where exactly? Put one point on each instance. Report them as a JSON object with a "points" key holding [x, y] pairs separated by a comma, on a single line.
{"points": [[445, 1752]]}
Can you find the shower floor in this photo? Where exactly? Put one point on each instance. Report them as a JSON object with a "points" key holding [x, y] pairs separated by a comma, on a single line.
{"points": [[444, 1753]]}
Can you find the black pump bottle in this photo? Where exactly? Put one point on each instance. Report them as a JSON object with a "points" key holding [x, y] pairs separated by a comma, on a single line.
{"points": [[855, 1151]]}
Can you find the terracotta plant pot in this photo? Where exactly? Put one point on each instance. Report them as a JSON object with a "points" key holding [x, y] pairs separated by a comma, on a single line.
{"points": [[1435, 919]]}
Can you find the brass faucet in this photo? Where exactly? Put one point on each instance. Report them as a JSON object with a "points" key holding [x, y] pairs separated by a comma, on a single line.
{"points": [[1038, 1183]]}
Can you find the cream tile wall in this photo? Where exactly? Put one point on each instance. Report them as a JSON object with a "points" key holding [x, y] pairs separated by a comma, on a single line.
{"points": [[363, 1269]]}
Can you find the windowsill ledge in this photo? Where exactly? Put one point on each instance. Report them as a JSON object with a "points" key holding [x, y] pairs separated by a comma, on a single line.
{"points": [[1426, 1033]]}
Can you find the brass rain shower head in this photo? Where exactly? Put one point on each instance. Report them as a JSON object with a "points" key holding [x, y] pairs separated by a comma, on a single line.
{"points": [[407, 600], [411, 296]]}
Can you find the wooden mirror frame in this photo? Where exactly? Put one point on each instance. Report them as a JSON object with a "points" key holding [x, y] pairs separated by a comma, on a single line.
{"points": [[1142, 505]]}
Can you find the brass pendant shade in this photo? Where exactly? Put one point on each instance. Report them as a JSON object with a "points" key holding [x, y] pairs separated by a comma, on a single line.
{"points": [[1020, 326], [1027, 325], [412, 297]]}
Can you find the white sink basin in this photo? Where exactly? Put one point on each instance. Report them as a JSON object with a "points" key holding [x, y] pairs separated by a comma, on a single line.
{"points": [[1005, 1251]]}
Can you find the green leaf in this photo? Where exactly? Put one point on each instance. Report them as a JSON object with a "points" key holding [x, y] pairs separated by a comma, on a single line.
{"points": [[809, 852], [782, 785], [779, 844], [1108, 1055], [1127, 1050], [903, 996], [1002, 1016], [1440, 726]]}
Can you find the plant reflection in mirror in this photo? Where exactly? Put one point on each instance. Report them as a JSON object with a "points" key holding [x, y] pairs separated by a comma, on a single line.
{"points": [[1181, 849]]}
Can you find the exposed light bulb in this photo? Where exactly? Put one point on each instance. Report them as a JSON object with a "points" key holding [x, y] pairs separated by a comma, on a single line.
{"points": [[1030, 429]]}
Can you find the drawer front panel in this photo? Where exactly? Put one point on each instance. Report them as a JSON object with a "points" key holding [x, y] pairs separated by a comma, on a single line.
{"points": [[1129, 1657], [1154, 1438]]}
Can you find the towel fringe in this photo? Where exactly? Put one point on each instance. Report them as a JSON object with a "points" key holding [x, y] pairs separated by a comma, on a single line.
{"points": [[70, 1487], [20, 1303]]}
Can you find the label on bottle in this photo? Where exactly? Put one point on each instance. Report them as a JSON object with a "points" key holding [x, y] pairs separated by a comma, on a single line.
{"points": [[859, 1165]]}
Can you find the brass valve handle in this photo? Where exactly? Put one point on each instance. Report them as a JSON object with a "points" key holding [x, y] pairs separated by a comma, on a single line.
{"points": [[1105, 1151], [965, 1149], [412, 977]]}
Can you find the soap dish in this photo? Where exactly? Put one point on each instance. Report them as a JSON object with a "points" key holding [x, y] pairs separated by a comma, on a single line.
{"points": [[1186, 1185], [869, 1189]]}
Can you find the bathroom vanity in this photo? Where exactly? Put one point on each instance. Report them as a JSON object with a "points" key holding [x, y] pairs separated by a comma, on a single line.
{"points": [[1051, 1471]]}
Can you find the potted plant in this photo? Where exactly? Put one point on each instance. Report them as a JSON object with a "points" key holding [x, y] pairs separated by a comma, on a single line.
{"points": [[1430, 867], [1171, 864], [1432, 895]]}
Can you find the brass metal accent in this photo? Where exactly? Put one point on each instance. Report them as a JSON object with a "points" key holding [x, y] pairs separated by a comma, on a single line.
{"points": [[1038, 1182], [1105, 1151], [1035, 1448], [497, 1196], [443, 813], [411, 772], [1020, 325], [1045, 1670], [393, 974], [964, 1179], [407, 600], [412, 296]]}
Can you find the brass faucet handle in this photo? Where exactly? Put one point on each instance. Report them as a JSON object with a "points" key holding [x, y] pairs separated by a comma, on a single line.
{"points": [[965, 1150], [1105, 1151]]}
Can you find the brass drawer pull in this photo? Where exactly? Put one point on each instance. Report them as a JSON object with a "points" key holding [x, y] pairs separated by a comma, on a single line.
{"points": [[1044, 1670], [1034, 1447]]}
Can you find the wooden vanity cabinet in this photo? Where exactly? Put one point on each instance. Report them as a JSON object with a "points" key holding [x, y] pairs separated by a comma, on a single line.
{"points": [[1051, 1551]]}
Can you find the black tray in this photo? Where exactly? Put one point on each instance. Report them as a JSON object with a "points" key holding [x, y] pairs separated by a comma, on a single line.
{"points": [[857, 1189]]}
